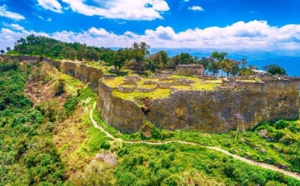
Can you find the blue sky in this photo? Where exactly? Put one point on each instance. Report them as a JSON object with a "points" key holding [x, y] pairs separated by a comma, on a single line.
{"points": [[206, 25]]}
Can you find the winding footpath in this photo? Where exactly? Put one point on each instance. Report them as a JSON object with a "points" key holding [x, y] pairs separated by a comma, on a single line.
{"points": [[263, 165]]}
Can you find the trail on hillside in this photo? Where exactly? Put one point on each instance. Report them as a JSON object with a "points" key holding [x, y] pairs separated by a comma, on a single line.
{"points": [[251, 162]]}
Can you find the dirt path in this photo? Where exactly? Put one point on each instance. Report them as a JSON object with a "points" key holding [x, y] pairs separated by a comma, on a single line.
{"points": [[263, 165]]}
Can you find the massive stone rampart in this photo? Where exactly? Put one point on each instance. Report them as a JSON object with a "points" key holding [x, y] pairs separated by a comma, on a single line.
{"points": [[212, 111], [242, 106], [122, 114]]}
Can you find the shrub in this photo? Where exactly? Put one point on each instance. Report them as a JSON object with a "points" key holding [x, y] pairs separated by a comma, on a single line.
{"points": [[59, 87], [281, 124]]}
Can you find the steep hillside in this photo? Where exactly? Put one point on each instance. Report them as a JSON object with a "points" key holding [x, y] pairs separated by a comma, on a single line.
{"points": [[49, 139]]}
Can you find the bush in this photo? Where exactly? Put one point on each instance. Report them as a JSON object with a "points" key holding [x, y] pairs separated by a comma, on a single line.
{"points": [[59, 87], [281, 124], [105, 145]]}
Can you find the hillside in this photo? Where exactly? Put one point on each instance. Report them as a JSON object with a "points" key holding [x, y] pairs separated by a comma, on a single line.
{"points": [[50, 139]]}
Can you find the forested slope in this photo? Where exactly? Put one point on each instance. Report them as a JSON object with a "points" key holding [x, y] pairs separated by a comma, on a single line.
{"points": [[49, 140]]}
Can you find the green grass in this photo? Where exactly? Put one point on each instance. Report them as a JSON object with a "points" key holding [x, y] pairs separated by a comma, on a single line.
{"points": [[203, 86], [148, 86], [175, 76], [128, 86], [157, 94], [176, 164], [167, 80], [181, 87], [217, 81], [114, 82]]}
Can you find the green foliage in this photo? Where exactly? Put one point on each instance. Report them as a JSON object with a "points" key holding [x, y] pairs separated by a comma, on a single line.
{"points": [[59, 87], [275, 69], [27, 154], [160, 60], [71, 103], [188, 165], [97, 174], [48, 47]]}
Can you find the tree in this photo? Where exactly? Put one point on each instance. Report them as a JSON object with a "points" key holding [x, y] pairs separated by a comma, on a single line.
{"points": [[121, 56], [226, 66], [182, 58], [215, 60], [59, 87], [8, 49], [160, 60], [235, 68], [275, 69], [204, 61], [115, 58], [186, 58], [139, 53], [2, 51]]}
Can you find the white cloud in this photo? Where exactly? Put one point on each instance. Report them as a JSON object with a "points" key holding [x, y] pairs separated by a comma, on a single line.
{"points": [[253, 35], [42, 18], [121, 9], [13, 26], [196, 8], [52, 5], [12, 15], [16, 27]]}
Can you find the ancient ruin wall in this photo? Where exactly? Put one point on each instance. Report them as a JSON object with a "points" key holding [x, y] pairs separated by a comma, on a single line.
{"points": [[223, 110], [122, 114], [212, 111], [189, 70], [85, 74]]}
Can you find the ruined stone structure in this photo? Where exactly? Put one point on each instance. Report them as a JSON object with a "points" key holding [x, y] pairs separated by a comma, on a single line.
{"points": [[190, 70], [206, 110]]}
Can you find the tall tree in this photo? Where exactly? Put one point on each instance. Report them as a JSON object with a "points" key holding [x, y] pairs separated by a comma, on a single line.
{"points": [[139, 52], [275, 69], [160, 60], [214, 61], [205, 62]]}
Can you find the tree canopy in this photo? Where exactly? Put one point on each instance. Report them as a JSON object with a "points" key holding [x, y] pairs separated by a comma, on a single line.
{"points": [[137, 57], [275, 69]]}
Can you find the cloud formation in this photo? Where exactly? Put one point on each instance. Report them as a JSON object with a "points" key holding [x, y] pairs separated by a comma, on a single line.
{"points": [[52, 5], [14, 26], [12, 15], [196, 8], [121, 9], [253, 35]]}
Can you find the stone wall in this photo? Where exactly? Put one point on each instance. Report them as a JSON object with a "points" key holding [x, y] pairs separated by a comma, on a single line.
{"points": [[216, 111], [122, 114], [86, 74], [211, 111], [190, 70]]}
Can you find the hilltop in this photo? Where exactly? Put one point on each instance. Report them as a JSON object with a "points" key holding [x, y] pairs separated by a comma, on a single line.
{"points": [[63, 139]]}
